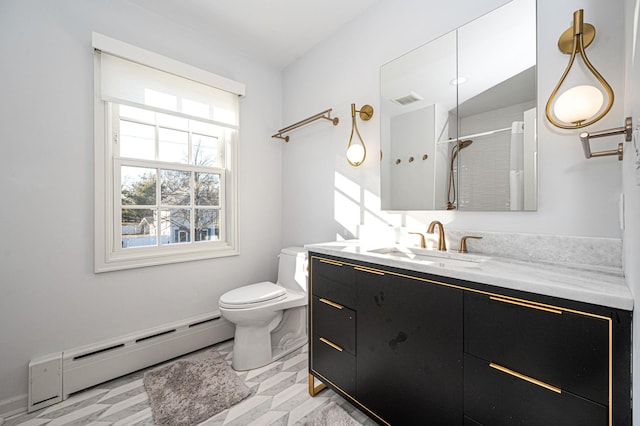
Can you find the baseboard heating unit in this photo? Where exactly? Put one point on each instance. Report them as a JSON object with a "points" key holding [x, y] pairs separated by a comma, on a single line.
{"points": [[53, 377]]}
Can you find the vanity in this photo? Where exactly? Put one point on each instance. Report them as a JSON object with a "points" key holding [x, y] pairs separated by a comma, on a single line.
{"points": [[412, 336]]}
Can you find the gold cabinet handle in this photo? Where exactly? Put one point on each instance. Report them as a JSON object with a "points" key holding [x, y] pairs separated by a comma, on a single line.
{"points": [[526, 305], [331, 262], [333, 345], [526, 378], [330, 303], [371, 271]]}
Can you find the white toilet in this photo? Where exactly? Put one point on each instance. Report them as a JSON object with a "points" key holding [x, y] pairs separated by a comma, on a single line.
{"points": [[270, 319]]}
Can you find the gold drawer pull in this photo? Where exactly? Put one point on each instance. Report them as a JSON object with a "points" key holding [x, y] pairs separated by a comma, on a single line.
{"points": [[333, 345], [330, 303], [331, 262], [371, 271], [527, 378], [526, 305]]}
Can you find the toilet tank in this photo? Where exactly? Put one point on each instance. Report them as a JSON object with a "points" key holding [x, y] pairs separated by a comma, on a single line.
{"points": [[292, 269]]}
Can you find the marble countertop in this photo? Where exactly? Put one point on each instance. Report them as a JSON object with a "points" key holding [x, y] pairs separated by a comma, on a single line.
{"points": [[597, 285]]}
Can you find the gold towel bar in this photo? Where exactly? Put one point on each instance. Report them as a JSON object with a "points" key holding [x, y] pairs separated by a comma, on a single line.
{"points": [[306, 121]]}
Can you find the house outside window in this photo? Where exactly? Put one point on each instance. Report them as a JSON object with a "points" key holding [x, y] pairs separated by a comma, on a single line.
{"points": [[165, 159]]}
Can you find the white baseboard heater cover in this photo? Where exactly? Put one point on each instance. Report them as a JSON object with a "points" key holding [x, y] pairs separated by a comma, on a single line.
{"points": [[52, 378]]}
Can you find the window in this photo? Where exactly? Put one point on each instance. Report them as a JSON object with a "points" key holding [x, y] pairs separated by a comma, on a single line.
{"points": [[165, 173]]}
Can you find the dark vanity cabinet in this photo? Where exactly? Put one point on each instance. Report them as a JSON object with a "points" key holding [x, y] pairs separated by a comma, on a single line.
{"points": [[408, 337], [535, 363], [413, 348]]}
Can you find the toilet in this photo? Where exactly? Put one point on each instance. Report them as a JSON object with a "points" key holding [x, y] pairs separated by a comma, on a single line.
{"points": [[270, 319]]}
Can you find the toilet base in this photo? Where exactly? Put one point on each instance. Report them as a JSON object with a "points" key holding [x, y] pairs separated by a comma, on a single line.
{"points": [[256, 347]]}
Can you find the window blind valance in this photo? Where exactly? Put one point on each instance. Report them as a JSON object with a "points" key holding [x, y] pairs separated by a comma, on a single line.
{"points": [[156, 84]]}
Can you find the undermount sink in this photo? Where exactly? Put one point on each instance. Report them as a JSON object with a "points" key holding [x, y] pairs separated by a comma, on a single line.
{"points": [[432, 257]]}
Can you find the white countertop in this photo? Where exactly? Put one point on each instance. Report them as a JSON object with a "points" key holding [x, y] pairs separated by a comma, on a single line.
{"points": [[597, 285]]}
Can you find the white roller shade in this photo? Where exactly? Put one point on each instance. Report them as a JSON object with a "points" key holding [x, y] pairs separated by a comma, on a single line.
{"points": [[131, 75], [128, 82]]}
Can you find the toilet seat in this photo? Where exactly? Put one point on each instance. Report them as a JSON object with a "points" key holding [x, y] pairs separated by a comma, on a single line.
{"points": [[253, 295]]}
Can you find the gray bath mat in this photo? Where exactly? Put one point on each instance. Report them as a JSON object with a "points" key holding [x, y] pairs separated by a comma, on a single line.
{"points": [[189, 391], [332, 415]]}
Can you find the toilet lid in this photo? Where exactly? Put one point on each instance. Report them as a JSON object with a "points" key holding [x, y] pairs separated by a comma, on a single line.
{"points": [[253, 293]]}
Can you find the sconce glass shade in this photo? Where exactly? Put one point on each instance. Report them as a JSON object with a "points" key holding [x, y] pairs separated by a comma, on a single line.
{"points": [[583, 98], [356, 150], [355, 154], [578, 104]]}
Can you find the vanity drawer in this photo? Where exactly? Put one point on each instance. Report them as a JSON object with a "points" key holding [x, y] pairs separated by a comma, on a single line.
{"points": [[333, 280], [334, 322], [338, 367], [568, 350], [493, 397]]}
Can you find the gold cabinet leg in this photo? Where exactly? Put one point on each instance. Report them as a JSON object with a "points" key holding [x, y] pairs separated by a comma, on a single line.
{"points": [[313, 389]]}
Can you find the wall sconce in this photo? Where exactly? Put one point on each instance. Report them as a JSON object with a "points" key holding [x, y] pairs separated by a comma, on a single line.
{"points": [[579, 106], [357, 152]]}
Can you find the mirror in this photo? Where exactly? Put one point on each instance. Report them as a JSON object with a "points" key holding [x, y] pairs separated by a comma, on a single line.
{"points": [[458, 126]]}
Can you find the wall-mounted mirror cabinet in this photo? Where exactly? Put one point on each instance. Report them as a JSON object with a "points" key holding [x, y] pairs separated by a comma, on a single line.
{"points": [[458, 126]]}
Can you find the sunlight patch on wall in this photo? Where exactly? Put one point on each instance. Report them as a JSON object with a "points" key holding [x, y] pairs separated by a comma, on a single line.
{"points": [[374, 216], [348, 187], [347, 206]]}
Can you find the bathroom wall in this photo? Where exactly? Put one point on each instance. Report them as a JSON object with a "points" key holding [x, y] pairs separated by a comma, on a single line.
{"points": [[631, 175], [324, 198], [50, 299]]}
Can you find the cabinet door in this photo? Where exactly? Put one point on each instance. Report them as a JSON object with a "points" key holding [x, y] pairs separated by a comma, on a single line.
{"points": [[332, 341], [564, 349], [335, 323], [333, 280], [409, 340], [495, 398]]}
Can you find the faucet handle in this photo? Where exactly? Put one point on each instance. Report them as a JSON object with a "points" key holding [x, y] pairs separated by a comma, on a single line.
{"points": [[423, 242], [463, 242]]}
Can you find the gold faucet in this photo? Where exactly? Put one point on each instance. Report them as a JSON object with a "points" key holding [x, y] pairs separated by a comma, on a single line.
{"points": [[463, 243], [442, 243], [423, 242]]}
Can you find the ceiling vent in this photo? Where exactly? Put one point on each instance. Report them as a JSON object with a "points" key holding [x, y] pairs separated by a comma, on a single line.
{"points": [[408, 99]]}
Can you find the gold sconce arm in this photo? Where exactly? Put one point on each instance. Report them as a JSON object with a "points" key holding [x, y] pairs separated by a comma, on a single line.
{"points": [[627, 130], [573, 41], [357, 152]]}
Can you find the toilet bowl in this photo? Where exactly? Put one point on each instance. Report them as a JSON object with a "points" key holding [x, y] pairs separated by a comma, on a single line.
{"points": [[270, 318]]}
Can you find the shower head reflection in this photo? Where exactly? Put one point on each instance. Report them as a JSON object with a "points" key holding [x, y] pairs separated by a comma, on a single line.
{"points": [[451, 188]]}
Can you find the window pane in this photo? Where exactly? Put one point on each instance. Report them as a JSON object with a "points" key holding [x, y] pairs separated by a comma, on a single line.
{"points": [[137, 140], [174, 146], [207, 226], [207, 151], [137, 114], [205, 128], [207, 189], [175, 226], [138, 227], [137, 186], [174, 187], [166, 120]]}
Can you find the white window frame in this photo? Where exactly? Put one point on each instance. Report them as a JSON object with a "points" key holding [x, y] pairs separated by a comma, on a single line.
{"points": [[108, 253]]}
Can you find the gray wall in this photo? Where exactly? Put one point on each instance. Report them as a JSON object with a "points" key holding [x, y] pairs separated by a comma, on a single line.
{"points": [[50, 299], [325, 197]]}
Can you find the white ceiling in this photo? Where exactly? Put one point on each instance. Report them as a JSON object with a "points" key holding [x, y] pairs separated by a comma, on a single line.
{"points": [[277, 31]]}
